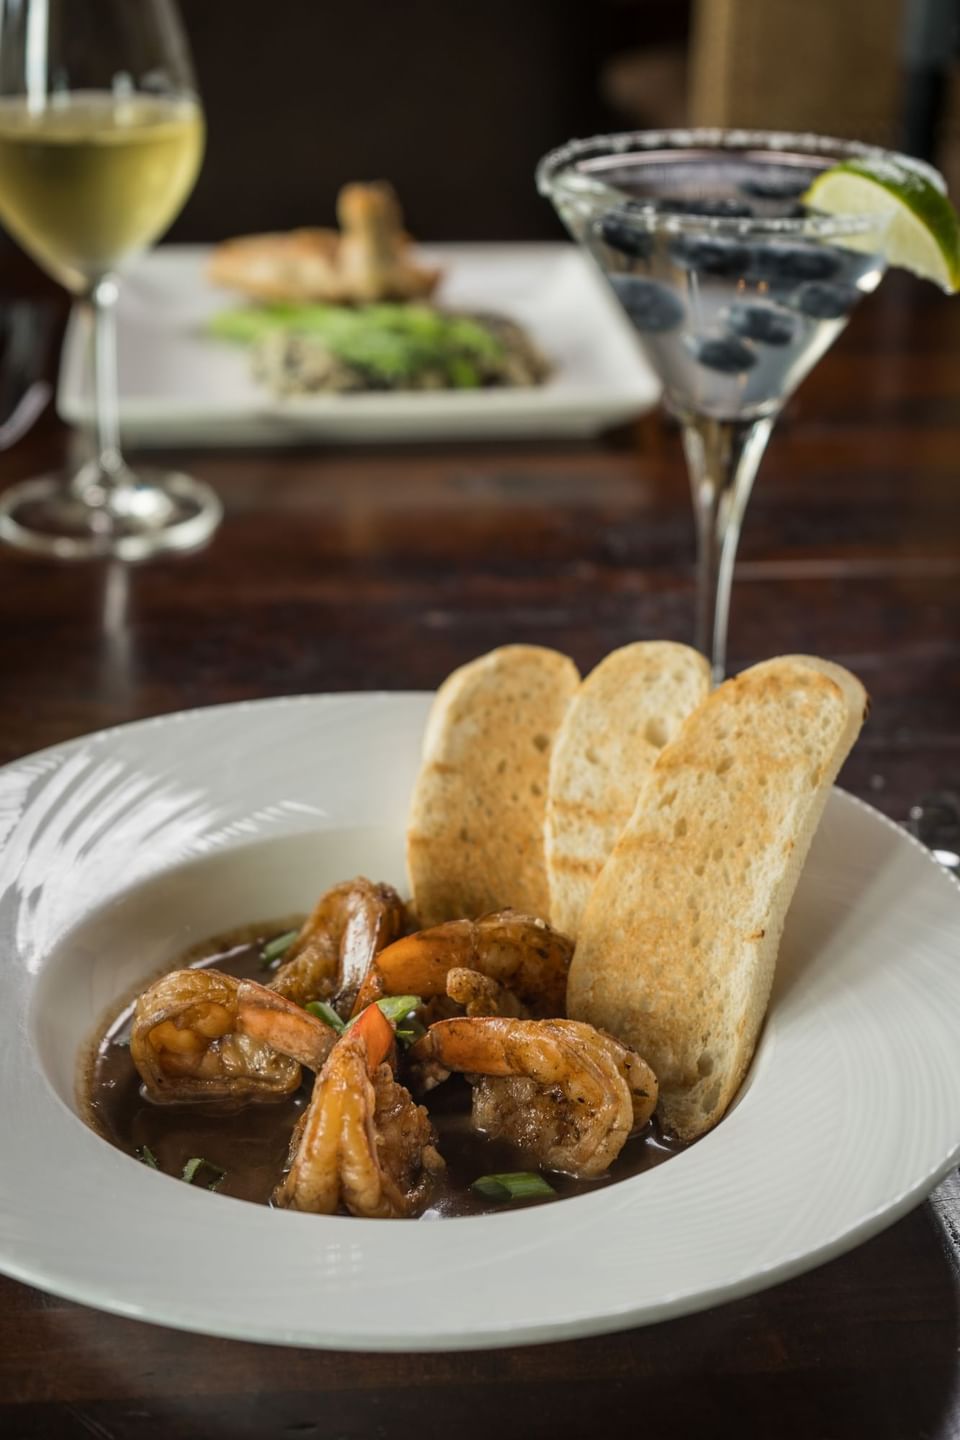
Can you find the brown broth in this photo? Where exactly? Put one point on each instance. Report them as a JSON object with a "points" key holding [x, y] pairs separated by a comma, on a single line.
{"points": [[250, 1142]]}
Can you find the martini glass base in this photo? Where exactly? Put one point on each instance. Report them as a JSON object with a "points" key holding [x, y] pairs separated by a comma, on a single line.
{"points": [[161, 511]]}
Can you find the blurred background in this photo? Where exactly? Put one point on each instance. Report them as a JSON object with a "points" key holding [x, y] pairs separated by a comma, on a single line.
{"points": [[455, 103]]}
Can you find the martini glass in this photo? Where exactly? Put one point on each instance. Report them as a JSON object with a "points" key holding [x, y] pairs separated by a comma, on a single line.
{"points": [[734, 287]]}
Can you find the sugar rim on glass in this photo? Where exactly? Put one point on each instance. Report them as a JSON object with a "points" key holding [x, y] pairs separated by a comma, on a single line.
{"points": [[559, 181]]}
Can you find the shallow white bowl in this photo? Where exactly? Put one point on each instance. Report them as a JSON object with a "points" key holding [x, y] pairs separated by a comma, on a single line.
{"points": [[122, 848]]}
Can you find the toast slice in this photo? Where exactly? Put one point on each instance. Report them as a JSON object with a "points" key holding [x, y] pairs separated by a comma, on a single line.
{"points": [[475, 834], [679, 939], [621, 717]]}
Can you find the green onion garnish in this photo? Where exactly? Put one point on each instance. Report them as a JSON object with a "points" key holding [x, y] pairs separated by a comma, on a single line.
{"points": [[273, 950], [192, 1166], [145, 1154], [326, 1013], [514, 1185], [398, 1007], [409, 1031]]}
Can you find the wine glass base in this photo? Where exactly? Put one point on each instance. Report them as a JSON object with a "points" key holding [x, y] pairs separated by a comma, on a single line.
{"points": [[162, 511]]}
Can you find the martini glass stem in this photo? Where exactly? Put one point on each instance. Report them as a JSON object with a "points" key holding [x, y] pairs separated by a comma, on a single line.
{"points": [[722, 459]]}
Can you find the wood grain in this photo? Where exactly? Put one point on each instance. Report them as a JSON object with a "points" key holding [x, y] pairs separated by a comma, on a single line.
{"points": [[343, 569]]}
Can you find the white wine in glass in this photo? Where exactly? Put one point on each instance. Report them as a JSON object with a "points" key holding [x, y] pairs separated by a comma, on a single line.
{"points": [[101, 140]]}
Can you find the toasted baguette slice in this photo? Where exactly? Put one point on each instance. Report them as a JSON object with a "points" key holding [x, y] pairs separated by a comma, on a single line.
{"points": [[475, 835], [621, 717], [679, 940]]}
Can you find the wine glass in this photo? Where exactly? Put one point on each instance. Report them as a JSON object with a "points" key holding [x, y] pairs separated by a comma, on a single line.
{"points": [[734, 287], [101, 139]]}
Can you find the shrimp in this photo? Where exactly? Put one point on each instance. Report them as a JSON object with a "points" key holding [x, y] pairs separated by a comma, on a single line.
{"points": [[362, 1142], [478, 994], [567, 1094], [522, 956], [204, 1035], [332, 953]]}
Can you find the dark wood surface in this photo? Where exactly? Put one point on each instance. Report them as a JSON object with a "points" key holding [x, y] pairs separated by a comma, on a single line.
{"points": [[385, 568]]}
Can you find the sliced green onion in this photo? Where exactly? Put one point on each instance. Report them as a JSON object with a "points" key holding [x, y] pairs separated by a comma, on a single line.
{"points": [[513, 1185], [409, 1031], [399, 1011], [273, 950], [147, 1156], [327, 1014], [192, 1166], [398, 1007]]}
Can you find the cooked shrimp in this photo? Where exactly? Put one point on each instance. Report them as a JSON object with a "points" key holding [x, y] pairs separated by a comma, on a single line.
{"points": [[362, 1143], [203, 1035], [332, 953], [478, 994], [567, 1094], [521, 954]]}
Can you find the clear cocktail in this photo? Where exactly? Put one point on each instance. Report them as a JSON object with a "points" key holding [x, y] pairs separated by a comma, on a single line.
{"points": [[735, 287]]}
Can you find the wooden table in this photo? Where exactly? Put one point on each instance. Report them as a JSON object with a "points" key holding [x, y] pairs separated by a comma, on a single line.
{"points": [[385, 568]]}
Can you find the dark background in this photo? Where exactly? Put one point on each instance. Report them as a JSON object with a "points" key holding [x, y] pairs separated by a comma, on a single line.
{"points": [[456, 102], [452, 102]]}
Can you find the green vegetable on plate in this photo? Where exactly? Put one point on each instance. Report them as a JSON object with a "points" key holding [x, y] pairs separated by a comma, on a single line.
{"points": [[513, 1185], [398, 1008], [276, 948], [198, 1163], [304, 348]]}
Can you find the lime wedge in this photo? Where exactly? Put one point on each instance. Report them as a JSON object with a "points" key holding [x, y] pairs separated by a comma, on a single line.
{"points": [[924, 232]]}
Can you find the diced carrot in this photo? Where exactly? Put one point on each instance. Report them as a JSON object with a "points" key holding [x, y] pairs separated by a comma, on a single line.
{"points": [[377, 1034]]}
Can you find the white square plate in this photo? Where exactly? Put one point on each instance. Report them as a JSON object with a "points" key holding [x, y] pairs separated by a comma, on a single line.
{"points": [[177, 386]]}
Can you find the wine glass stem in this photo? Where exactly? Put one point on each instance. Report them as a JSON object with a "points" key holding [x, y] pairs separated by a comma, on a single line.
{"points": [[722, 459], [101, 477]]}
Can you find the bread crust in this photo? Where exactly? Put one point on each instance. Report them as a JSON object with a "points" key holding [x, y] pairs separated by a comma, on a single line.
{"points": [[622, 715], [679, 940], [475, 834]]}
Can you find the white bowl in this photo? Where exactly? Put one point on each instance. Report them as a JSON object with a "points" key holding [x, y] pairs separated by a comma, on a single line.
{"points": [[121, 849]]}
